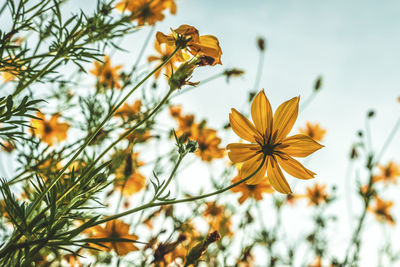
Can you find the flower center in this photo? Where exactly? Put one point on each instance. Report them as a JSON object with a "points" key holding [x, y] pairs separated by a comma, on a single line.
{"points": [[268, 149]]}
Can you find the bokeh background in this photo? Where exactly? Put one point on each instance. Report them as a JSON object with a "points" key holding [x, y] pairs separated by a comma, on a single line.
{"points": [[353, 45]]}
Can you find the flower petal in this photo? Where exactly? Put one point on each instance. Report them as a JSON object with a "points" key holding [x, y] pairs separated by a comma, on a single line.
{"points": [[276, 177], [243, 127], [250, 166], [260, 176], [284, 118], [299, 145], [242, 152], [294, 168], [261, 113]]}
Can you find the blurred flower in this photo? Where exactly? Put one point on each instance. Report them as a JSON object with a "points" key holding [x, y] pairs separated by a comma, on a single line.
{"points": [[218, 219], [168, 252], [233, 73], [246, 259], [389, 173], [147, 11], [106, 74], [127, 177], [381, 210], [254, 191], [114, 229], [199, 249], [314, 131], [139, 136], [316, 263], [7, 146], [49, 131], [205, 47], [292, 198], [9, 69], [317, 195], [208, 145], [268, 139], [164, 52], [73, 260], [129, 112]]}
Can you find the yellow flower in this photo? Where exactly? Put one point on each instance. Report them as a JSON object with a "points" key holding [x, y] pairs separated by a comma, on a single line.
{"points": [[218, 219], [268, 139], [205, 47], [317, 195], [164, 52], [106, 74], [49, 131], [129, 111], [314, 131], [381, 210], [147, 11], [388, 174], [209, 142], [114, 229], [254, 191]]}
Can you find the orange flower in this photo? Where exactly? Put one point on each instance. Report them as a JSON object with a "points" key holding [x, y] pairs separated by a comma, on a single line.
{"points": [[268, 139], [205, 47], [218, 219], [317, 262], [388, 174], [381, 210], [106, 74], [9, 70], [175, 111], [147, 11], [314, 131], [209, 145], [132, 185], [49, 131], [129, 112], [317, 195], [115, 229], [164, 52], [253, 191]]}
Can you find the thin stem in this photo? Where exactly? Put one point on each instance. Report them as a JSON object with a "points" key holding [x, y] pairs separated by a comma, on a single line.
{"points": [[39, 199], [259, 71], [389, 140], [156, 204]]}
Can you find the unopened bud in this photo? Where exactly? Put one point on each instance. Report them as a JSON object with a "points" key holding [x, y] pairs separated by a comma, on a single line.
{"points": [[182, 75], [261, 44]]}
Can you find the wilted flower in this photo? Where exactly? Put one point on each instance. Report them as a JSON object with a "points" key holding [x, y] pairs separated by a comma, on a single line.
{"points": [[205, 47], [268, 139], [49, 131]]}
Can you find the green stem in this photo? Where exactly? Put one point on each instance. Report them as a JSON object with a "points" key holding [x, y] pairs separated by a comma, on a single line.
{"points": [[156, 204], [39, 199]]}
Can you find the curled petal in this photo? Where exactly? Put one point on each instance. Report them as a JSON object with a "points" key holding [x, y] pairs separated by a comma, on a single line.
{"points": [[284, 118], [261, 113], [243, 127], [294, 168], [299, 145], [276, 177], [165, 39], [242, 152]]}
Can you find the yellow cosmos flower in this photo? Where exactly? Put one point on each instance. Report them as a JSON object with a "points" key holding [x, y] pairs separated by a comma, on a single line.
{"points": [[129, 112], [147, 11], [114, 229], [254, 191], [315, 131], [388, 173], [209, 142], [107, 74], [268, 139], [317, 195], [51, 130], [382, 210], [164, 52], [205, 47]]}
